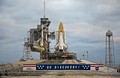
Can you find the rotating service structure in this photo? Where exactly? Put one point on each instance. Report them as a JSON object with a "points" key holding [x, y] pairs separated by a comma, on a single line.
{"points": [[38, 40]]}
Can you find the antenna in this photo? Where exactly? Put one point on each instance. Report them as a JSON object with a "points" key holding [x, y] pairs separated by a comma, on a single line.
{"points": [[44, 8]]}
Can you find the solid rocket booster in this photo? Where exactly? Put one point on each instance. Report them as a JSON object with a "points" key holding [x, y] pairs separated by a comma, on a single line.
{"points": [[60, 42]]}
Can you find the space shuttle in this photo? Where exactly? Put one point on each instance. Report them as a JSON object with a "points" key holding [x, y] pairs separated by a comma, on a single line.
{"points": [[60, 41]]}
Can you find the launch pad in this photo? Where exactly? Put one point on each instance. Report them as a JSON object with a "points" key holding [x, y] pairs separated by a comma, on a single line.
{"points": [[62, 55], [38, 40]]}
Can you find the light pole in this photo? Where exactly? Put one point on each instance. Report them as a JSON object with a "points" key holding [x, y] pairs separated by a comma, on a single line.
{"points": [[83, 56], [87, 55]]}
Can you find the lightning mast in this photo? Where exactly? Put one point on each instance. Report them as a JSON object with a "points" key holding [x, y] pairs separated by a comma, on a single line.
{"points": [[44, 8]]}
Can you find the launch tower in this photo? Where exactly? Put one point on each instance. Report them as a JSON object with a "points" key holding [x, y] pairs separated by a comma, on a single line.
{"points": [[38, 40]]}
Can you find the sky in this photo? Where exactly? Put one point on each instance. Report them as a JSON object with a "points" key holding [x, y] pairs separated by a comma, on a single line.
{"points": [[85, 21]]}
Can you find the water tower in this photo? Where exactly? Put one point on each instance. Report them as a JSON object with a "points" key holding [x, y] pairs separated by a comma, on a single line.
{"points": [[109, 54]]}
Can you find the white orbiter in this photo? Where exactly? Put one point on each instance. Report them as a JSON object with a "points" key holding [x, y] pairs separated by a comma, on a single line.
{"points": [[60, 42]]}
